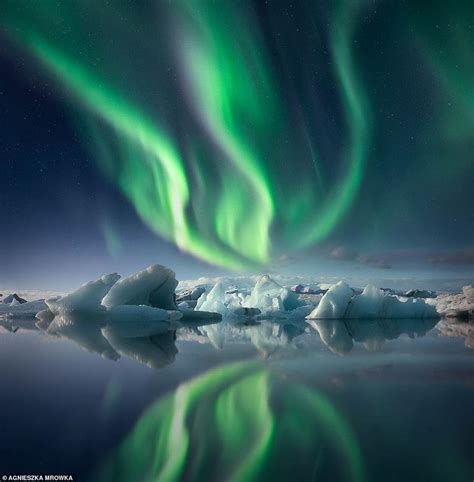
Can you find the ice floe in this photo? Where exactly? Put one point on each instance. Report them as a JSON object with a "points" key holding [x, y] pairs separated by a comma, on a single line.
{"points": [[341, 303]]}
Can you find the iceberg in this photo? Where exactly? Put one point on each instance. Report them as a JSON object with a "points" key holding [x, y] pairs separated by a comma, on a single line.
{"points": [[86, 299], [268, 295], [217, 300], [138, 321], [191, 294], [334, 303], [21, 310], [460, 305], [339, 303], [143, 313], [154, 286]]}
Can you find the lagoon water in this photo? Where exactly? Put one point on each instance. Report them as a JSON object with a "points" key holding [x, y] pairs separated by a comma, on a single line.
{"points": [[274, 400]]}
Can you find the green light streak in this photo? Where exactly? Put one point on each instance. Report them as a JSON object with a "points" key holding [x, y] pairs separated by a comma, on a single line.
{"points": [[224, 191], [357, 120], [156, 179], [225, 107], [237, 423]]}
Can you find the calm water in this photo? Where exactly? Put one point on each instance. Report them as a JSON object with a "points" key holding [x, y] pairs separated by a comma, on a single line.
{"points": [[372, 401]]}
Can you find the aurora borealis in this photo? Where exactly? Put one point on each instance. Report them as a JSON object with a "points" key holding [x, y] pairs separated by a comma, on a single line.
{"points": [[244, 131]]}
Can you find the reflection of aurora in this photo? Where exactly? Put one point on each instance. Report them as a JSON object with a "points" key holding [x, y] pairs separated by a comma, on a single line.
{"points": [[238, 423]]}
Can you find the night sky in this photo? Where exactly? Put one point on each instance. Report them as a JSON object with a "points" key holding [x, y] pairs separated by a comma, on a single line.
{"points": [[216, 137]]}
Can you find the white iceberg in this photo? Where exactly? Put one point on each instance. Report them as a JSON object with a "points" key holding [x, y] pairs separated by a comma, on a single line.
{"points": [[334, 303], [86, 299], [218, 301], [154, 286], [339, 303], [266, 297]]}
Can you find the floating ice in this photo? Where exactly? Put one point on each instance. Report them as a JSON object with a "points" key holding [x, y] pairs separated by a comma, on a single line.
{"points": [[334, 303], [23, 310], [339, 303], [217, 300], [267, 296], [86, 299], [141, 312], [154, 286], [191, 294], [459, 305]]}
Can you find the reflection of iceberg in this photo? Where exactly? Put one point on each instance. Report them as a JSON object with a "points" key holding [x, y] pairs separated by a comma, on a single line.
{"points": [[339, 303], [260, 428], [265, 335], [86, 331], [141, 333], [14, 325], [268, 337], [457, 328], [340, 335], [156, 351]]}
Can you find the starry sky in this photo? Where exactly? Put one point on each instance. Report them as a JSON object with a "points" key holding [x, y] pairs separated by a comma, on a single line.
{"points": [[216, 137]]}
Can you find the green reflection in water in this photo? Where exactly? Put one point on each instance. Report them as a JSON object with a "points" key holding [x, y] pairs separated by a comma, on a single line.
{"points": [[238, 423]]}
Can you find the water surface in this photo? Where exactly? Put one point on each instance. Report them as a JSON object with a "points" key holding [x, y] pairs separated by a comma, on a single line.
{"points": [[381, 400]]}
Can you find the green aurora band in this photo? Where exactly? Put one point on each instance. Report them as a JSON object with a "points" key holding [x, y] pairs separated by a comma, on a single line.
{"points": [[228, 196], [236, 139], [237, 423]]}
